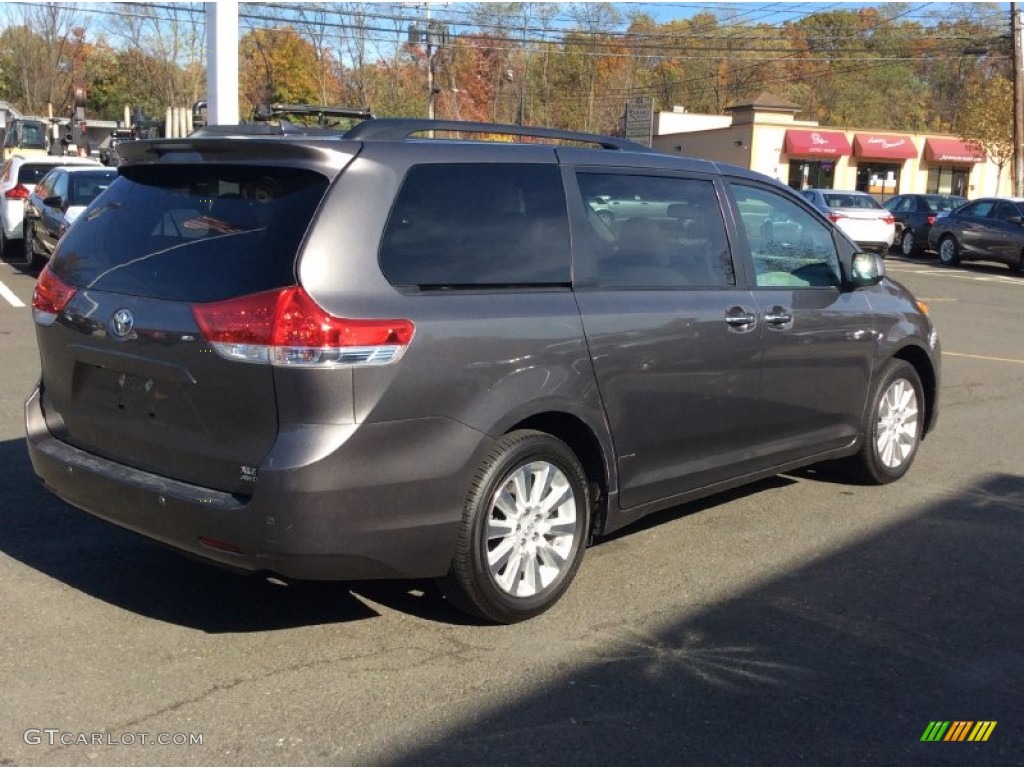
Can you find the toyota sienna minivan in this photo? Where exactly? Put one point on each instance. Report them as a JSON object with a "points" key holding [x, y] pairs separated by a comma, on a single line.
{"points": [[385, 355]]}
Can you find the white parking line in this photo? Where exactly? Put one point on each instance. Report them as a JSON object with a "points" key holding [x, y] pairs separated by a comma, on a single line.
{"points": [[959, 274], [8, 294]]}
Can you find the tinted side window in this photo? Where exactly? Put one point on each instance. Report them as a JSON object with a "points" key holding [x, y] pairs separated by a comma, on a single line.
{"points": [[789, 246], [60, 185], [1005, 210], [655, 231], [478, 225], [45, 185], [979, 210]]}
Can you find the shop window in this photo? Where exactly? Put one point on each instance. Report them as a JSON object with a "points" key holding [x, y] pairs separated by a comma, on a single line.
{"points": [[879, 179], [812, 174], [948, 180]]}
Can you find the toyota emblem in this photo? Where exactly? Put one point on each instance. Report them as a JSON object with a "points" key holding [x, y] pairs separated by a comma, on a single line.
{"points": [[121, 324]]}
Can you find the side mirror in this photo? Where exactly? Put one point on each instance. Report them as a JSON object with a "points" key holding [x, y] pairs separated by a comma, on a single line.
{"points": [[1015, 220], [56, 201], [866, 269]]}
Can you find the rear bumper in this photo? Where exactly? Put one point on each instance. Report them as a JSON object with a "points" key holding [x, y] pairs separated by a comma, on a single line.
{"points": [[875, 246], [386, 503]]}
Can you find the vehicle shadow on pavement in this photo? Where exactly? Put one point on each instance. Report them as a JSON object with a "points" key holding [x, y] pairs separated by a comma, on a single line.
{"points": [[843, 661], [133, 573], [142, 576]]}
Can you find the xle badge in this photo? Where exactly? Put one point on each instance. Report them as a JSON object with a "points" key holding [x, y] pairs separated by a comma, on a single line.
{"points": [[248, 474]]}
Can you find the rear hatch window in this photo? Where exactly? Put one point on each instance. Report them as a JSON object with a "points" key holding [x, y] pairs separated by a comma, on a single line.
{"points": [[126, 372], [32, 173], [192, 232]]}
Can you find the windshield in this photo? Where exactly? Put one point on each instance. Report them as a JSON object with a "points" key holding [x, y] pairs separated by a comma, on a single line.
{"points": [[86, 186]]}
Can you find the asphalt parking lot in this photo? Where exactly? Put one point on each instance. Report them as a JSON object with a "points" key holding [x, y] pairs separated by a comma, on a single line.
{"points": [[799, 621]]}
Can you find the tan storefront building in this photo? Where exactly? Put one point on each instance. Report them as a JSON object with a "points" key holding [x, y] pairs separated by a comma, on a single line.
{"points": [[765, 136]]}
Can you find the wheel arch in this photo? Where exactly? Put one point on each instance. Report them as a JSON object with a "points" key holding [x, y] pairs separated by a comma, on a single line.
{"points": [[918, 358], [582, 440]]}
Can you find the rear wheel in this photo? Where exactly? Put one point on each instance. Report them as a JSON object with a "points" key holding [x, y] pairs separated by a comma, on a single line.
{"points": [[892, 427], [949, 251], [28, 243], [524, 529], [907, 246]]}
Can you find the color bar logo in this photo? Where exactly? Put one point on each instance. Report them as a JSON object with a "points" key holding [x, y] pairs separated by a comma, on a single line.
{"points": [[958, 730]]}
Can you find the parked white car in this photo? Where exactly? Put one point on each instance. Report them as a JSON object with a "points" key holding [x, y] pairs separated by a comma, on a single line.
{"points": [[18, 178], [858, 215]]}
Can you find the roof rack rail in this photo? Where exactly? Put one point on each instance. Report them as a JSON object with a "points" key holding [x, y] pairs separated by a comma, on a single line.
{"points": [[401, 129], [266, 112]]}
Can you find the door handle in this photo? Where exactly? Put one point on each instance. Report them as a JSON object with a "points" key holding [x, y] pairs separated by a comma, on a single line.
{"points": [[740, 319], [778, 317]]}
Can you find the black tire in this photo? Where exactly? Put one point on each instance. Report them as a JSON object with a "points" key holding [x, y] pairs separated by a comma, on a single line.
{"points": [[6, 247], [896, 406], [482, 561], [949, 251], [907, 246], [31, 257], [1019, 266]]}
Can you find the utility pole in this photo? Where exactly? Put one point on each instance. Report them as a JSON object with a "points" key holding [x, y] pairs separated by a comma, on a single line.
{"points": [[1018, 102], [430, 68], [436, 38]]}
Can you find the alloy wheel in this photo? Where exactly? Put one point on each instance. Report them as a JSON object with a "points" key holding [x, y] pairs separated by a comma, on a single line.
{"points": [[896, 433], [531, 528]]}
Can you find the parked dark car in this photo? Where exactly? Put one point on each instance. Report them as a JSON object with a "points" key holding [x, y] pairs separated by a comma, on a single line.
{"points": [[56, 202], [989, 229], [366, 356], [915, 214]]}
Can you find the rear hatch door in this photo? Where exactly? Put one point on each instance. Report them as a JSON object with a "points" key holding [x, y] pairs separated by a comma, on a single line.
{"points": [[126, 372]]}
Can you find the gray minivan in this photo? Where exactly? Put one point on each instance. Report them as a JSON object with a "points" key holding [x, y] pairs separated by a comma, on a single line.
{"points": [[380, 356]]}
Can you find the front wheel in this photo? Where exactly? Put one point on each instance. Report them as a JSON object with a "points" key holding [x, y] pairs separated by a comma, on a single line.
{"points": [[893, 426], [524, 529], [949, 251], [1019, 266]]}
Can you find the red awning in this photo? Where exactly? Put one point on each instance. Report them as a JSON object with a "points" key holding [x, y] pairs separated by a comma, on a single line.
{"points": [[829, 143], [879, 147], [952, 151]]}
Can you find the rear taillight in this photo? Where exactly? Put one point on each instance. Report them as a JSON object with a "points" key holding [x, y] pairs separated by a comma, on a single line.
{"points": [[287, 328], [19, 192], [931, 220], [834, 217], [888, 219], [50, 297]]}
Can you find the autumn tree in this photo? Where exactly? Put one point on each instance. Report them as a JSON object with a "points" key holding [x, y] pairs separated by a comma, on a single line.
{"points": [[41, 56], [162, 55], [987, 120], [278, 66]]}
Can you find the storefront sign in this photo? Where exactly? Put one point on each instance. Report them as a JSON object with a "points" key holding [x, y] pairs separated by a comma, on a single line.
{"points": [[816, 143], [878, 147], [952, 151]]}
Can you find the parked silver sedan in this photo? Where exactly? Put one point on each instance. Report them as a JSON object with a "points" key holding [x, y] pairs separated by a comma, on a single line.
{"points": [[858, 215]]}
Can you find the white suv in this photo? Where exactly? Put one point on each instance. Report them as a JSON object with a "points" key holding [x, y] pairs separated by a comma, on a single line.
{"points": [[17, 180]]}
